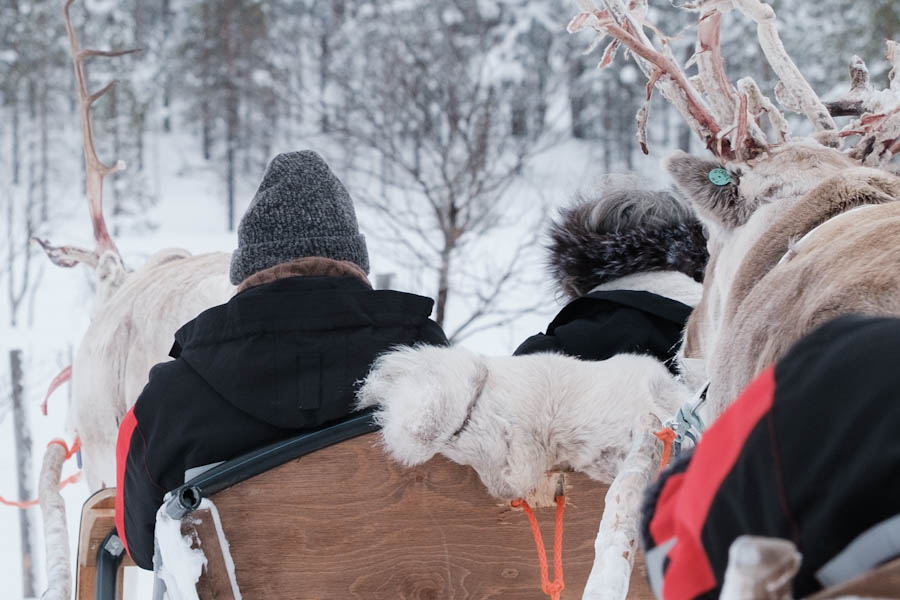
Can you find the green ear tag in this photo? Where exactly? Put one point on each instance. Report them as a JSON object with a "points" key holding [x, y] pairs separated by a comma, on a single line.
{"points": [[720, 177]]}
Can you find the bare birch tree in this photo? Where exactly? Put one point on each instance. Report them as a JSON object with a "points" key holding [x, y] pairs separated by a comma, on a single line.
{"points": [[22, 437], [18, 274], [429, 118]]}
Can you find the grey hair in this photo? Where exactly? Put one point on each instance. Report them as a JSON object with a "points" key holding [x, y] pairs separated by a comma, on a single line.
{"points": [[622, 227], [623, 201]]}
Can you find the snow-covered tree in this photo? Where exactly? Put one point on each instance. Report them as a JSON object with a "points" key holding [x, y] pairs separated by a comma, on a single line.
{"points": [[435, 117]]}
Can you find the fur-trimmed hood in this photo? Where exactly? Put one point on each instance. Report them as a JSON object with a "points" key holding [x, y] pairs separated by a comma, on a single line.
{"points": [[623, 232]]}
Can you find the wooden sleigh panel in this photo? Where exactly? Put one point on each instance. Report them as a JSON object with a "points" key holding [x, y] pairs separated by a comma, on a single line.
{"points": [[347, 522], [98, 519]]}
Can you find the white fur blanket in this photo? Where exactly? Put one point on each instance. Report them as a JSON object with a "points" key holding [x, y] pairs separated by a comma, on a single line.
{"points": [[514, 418]]}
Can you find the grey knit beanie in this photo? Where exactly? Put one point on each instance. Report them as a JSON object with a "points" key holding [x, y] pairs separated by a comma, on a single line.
{"points": [[300, 209]]}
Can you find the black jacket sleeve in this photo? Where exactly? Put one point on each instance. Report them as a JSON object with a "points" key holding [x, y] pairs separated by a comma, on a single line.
{"points": [[540, 342], [603, 324], [167, 416], [602, 336], [138, 493]]}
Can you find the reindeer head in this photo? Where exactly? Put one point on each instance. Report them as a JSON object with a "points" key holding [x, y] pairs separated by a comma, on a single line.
{"points": [[737, 203], [727, 195]]}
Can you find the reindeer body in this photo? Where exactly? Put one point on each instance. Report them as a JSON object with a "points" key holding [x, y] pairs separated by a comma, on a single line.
{"points": [[771, 173], [764, 288], [851, 264], [787, 250], [131, 331]]}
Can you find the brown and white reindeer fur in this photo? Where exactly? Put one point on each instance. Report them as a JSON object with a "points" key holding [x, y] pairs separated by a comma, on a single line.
{"points": [[736, 216], [766, 284], [802, 232], [851, 264]]}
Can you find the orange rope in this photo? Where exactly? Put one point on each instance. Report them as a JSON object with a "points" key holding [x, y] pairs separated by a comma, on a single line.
{"points": [[666, 436], [29, 503], [70, 452], [551, 588]]}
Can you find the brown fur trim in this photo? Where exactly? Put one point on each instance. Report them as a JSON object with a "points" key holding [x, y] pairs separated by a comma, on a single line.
{"points": [[311, 266], [836, 195]]}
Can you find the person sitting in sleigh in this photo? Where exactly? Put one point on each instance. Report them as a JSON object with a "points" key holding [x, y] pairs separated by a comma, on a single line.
{"points": [[282, 357], [630, 261]]}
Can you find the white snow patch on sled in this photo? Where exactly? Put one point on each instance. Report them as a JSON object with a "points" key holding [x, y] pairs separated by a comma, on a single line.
{"points": [[180, 564], [223, 544]]}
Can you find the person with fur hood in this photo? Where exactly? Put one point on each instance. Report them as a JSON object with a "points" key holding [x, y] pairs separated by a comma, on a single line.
{"points": [[630, 260], [282, 357]]}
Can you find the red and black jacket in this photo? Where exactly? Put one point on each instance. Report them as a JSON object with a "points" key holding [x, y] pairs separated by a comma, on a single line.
{"points": [[275, 361], [809, 452]]}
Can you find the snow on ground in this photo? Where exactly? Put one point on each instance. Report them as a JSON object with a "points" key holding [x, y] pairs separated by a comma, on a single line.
{"points": [[191, 214]]}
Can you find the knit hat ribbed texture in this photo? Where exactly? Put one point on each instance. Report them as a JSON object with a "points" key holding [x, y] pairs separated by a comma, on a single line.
{"points": [[301, 209]]}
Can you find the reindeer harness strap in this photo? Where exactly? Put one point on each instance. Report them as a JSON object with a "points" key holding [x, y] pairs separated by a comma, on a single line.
{"points": [[667, 436]]}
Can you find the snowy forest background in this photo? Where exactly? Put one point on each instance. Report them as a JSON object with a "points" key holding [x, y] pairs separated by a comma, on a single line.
{"points": [[458, 127]]}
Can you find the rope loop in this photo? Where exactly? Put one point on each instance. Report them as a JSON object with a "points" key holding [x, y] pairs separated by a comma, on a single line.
{"points": [[551, 588]]}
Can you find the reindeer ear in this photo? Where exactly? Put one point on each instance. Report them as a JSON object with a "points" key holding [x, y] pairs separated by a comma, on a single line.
{"points": [[711, 188]]}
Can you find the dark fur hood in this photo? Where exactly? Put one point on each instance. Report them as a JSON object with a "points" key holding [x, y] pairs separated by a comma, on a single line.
{"points": [[587, 250]]}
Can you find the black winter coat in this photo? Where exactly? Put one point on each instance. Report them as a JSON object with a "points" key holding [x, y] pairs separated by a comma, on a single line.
{"points": [[275, 361], [602, 324]]}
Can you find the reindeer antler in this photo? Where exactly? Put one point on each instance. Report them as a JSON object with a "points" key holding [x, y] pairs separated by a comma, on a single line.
{"points": [[95, 169], [715, 121], [878, 111], [853, 103], [793, 84], [711, 66], [660, 67], [726, 118]]}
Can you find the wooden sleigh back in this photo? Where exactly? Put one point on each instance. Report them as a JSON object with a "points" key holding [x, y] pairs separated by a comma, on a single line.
{"points": [[348, 522]]}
